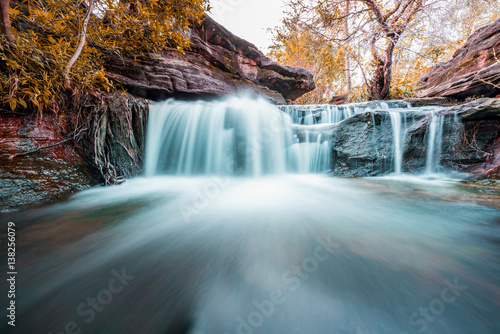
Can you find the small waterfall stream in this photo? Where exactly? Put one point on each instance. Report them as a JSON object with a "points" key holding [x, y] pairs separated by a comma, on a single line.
{"points": [[435, 140], [398, 141]]}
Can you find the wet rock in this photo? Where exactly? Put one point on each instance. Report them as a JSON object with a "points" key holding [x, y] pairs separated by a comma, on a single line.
{"points": [[433, 101], [363, 144], [49, 175], [470, 143]]}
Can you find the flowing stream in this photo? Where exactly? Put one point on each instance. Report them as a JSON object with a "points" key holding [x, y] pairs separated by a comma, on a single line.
{"points": [[235, 228]]}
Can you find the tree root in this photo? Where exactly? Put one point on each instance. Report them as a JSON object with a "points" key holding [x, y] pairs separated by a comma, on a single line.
{"points": [[45, 147]]}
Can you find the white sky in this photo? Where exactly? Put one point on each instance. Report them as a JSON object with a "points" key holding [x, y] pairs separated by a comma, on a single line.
{"points": [[249, 19]]}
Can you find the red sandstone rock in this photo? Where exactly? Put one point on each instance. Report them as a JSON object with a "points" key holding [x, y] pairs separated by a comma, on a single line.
{"points": [[474, 69], [218, 64]]}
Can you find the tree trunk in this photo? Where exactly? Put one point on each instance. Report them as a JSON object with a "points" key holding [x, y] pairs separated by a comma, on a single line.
{"points": [[381, 81], [81, 43], [347, 60], [5, 20]]}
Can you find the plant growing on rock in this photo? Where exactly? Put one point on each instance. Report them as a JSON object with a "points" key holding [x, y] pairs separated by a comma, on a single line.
{"points": [[60, 43]]}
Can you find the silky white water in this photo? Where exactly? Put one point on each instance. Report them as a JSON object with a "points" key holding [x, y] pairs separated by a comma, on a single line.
{"points": [[234, 137], [435, 138], [230, 232], [250, 137]]}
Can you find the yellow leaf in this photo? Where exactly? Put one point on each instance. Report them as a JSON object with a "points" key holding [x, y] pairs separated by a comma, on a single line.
{"points": [[21, 102], [13, 105], [13, 11]]}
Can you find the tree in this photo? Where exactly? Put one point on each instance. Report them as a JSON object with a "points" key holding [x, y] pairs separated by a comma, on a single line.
{"points": [[59, 42], [388, 44], [433, 38], [5, 20], [355, 24], [82, 36], [392, 23], [300, 48]]}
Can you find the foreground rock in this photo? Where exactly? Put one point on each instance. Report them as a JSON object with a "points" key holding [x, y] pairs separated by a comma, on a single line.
{"points": [[218, 64], [474, 69]]}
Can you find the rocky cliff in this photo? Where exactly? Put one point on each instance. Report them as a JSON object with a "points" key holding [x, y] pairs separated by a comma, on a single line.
{"points": [[217, 64], [474, 69]]}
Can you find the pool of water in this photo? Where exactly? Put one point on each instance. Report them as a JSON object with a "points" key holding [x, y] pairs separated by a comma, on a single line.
{"points": [[277, 254]]}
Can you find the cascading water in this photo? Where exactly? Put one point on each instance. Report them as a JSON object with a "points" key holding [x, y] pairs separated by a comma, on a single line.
{"points": [[328, 114], [313, 155], [278, 254], [251, 137], [234, 137], [434, 144], [400, 124]]}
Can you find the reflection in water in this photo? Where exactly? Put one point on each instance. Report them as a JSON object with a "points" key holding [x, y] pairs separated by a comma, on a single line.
{"points": [[281, 254]]}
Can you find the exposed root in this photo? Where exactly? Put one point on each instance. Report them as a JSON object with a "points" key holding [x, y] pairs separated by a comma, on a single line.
{"points": [[46, 147]]}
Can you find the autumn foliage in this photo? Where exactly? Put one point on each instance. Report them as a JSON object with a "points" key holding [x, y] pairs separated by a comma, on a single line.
{"points": [[383, 46], [47, 33]]}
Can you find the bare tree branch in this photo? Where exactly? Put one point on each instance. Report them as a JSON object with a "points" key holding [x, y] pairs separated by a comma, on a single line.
{"points": [[80, 46]]}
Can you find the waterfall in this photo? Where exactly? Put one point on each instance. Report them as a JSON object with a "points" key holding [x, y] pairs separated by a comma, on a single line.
{"points": [[434, 143], [250, 137], [311, 156], [397, 138], [232, 137]]}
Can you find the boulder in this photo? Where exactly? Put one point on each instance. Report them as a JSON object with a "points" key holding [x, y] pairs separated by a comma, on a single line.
{"points": [[218, 63], [362, 145], [474, 69]]}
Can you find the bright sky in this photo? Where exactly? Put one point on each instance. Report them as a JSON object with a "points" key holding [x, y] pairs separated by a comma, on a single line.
{"points": [[249, 19]]}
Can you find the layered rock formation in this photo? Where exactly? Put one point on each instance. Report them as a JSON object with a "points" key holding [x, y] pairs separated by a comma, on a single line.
{"points": [[474, 69], [217, 64], [50, 174]]}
